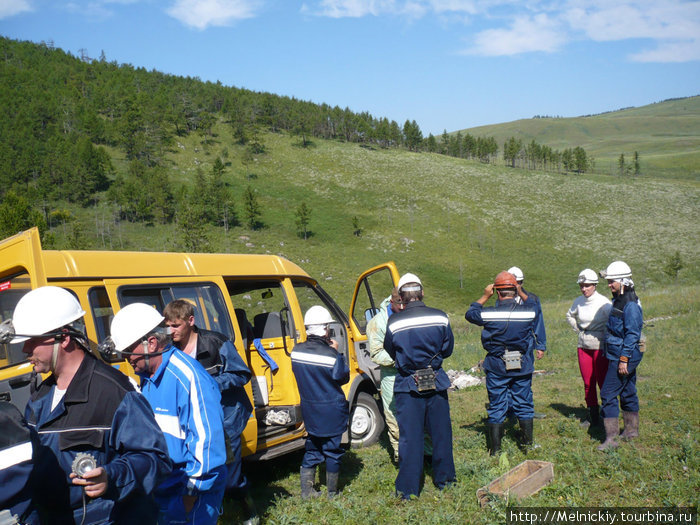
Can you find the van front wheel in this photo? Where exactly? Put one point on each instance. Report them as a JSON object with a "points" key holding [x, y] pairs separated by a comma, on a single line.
{"points": [[366, 421]]}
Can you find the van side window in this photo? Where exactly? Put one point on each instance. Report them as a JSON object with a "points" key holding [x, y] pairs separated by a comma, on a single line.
{"points": [[309, 295], [102, 312], [210, 309], [261, 308], [12, 288], [374, 288]]}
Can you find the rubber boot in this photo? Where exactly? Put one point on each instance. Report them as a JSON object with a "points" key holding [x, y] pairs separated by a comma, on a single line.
{"points": [[593, 417], [526, 430], [249, 511], [308, 475], [495, 434], [612, 430], [631, 420], [332, 484]]}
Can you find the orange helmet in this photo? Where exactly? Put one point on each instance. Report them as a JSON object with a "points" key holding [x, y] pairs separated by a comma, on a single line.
{"points": [[505, 280]]}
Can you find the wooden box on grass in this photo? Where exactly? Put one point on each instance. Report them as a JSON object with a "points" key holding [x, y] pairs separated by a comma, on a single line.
{"points": [[519, 482]]}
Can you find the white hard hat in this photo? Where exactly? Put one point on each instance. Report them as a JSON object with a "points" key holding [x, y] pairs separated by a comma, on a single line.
{"points": [[409, 278], [317, 315], [44, 310], [587, 276], [517, 273], [132, 323], [616, 270]]}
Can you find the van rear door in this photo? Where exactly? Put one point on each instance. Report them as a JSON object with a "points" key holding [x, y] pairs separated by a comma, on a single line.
{"points": [[21, 269]]}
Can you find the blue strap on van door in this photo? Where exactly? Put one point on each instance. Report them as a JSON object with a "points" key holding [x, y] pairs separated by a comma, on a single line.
{"points": [[261, 350]]}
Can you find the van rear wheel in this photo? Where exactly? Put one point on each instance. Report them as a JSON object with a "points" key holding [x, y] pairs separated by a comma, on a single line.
{"points": [[366, 421]]}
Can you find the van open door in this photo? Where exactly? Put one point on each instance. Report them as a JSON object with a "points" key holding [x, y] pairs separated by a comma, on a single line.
{"points": [[21, 270]]}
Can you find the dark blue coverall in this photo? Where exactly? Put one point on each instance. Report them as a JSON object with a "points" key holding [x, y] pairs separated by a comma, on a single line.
{"points": [[623, 332], [507, 326], [416, 338], [320, 371]]}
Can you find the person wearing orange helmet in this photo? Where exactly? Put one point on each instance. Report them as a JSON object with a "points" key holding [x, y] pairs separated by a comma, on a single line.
{"points": [[507, 338]]}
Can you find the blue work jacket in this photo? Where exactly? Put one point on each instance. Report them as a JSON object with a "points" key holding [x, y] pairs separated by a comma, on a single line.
{"points": [[101, 414], [506, 326], [320, 371], [624, 329], [220, 358], [187, 406], [540, 335], [419, 337]]}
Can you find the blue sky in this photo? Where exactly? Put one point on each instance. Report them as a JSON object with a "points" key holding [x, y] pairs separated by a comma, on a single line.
{"points": [[448, 64]]}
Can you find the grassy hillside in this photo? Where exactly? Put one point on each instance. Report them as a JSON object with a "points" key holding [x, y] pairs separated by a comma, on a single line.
{"points": [[666, 135], [455, 223]]}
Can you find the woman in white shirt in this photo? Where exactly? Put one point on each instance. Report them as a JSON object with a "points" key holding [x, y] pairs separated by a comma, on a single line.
{"points": [[588, 317]]}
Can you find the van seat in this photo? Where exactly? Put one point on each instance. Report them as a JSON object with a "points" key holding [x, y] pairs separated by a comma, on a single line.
{"points": [[267, 325]]}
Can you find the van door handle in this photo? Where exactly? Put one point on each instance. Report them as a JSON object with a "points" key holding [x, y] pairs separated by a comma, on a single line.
{"points": [[19, 382]]}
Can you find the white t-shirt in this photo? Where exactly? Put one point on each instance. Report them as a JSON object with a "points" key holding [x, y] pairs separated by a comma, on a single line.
{"points": [[57, 396]]}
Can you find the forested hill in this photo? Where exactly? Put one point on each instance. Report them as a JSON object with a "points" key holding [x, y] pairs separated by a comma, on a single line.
{"points": [[57, 110]]}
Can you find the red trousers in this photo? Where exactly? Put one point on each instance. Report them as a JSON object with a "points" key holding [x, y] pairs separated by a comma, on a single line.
{"points": [[593, 365]]}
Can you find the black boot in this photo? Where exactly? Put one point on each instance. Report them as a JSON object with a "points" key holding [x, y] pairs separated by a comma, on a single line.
{"points": [[526, 432], [332, 484], [593, 417], [495, 434], [249, 511], [308, 475]]}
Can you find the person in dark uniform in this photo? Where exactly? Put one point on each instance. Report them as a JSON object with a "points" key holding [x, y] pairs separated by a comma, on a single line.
{"points": [[17, 443], [622, 349], [507, 339], [217, 354], [320, 370], [102, 451], [419, 338]]}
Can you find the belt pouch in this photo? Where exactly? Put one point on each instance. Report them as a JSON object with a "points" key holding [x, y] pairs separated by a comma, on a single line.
{"points": [[512, 359], [425, 379]]}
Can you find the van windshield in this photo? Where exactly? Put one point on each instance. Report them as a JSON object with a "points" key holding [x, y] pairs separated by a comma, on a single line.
{"points": [[11, 290]]}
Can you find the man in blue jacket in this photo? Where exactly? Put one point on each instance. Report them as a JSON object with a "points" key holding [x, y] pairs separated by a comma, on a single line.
{"points": [[187, 406], [320, 370], [509, 363], [101, 452], [418, 338], [219, 357]]}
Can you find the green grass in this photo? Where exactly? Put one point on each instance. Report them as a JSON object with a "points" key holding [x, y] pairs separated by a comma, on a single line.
{"points": [[455, 223], [660, 468]]}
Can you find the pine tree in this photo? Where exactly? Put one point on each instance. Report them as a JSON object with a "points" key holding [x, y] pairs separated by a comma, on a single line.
{"points": [[303, 216], [252, 209]]}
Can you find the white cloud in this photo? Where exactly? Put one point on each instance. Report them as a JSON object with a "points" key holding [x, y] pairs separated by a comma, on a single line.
{"points": [[201, 14], [670, 52], [671, 26], [525, 35], [355, 8], [13, 7]]}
